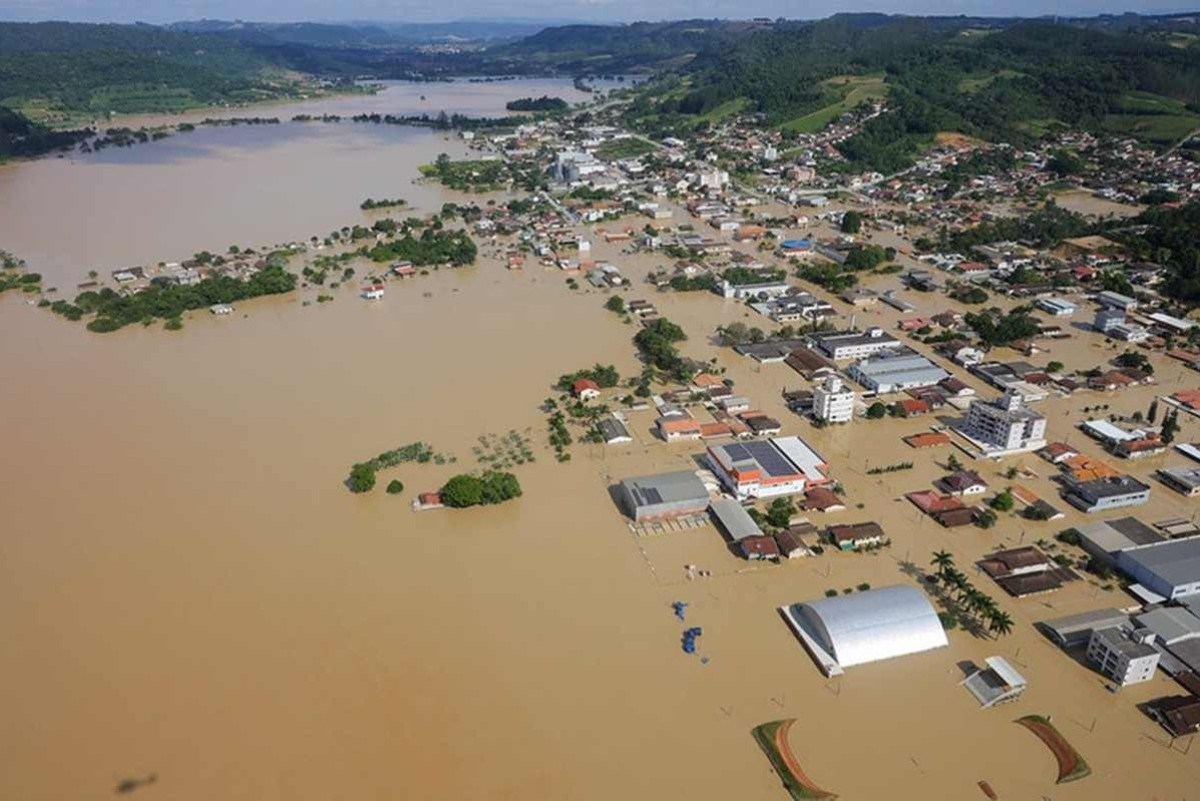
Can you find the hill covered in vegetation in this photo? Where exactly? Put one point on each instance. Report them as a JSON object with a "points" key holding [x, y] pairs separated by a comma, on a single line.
{"points": [[995, 79]]}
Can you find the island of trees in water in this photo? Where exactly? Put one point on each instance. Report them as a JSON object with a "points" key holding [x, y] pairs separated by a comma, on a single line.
{"points": [[543, 103]]}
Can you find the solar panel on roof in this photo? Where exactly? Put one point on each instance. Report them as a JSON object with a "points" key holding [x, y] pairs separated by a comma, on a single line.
{"points": [[770, 459], [737, 453]]}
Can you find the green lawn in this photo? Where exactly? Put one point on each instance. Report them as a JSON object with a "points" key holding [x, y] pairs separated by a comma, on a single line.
{"points": [[853, 90], [625, 148]]}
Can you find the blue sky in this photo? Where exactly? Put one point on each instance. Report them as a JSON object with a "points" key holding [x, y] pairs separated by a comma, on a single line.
{"points": [[598, 10]]}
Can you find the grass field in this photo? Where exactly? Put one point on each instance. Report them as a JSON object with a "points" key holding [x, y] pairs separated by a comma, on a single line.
{"points": [[729, 107], [974, 83], [853, 89], [625, 148], [1151, 117]]}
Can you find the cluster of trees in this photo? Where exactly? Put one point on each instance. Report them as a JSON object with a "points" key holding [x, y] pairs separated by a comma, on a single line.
{"points": [[492, 487], [656, 343], [605, 376], [543, 103], [828, 275], [431, 247], [21, 138], [995, 327], [741, 276], [1168, 236], [383, 203], [705, 282], [867, 257], [976, 603], [468, 174], [165, 300], [1045, 227]]}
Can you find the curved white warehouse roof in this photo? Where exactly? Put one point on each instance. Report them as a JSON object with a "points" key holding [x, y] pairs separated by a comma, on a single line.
{"points": [[872, 625]]}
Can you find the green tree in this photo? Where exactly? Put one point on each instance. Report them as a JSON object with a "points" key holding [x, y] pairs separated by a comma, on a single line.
{"points": [[942, 560], [394, 487], [1000, 624], [1003, 501], [362, 478], [986, 518], [851, 222], [779, 513], [877, 410], [615, 304], [462, 491]]}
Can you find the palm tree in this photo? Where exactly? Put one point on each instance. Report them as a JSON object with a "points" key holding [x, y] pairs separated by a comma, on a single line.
{"points": [[943, 560], [1000, 623]]}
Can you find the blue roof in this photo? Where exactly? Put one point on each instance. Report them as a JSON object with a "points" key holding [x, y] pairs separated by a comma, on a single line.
{"points": [[796, 244]]}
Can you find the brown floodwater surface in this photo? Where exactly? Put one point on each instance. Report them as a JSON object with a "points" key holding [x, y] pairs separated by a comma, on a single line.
{"points": [[187, 589]]}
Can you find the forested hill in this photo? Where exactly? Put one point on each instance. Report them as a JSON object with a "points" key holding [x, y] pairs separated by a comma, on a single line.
{"points": [[65, 73], [996, 79], [617, 48]]}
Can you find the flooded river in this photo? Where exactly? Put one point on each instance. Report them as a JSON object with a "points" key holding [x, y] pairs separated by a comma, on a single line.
{"points": [[244, 185], [188, 591]]}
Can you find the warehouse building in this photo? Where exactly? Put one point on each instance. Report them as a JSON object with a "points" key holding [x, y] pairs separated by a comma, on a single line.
{"points": [[663, 496], [1168, 569], [1102, 494], [1106, 538], [1075, 631], [896, 371], [866, 627]]}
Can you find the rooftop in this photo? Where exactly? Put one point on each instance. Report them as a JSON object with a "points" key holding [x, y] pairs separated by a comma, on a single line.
{"points": [[1174, 561]]}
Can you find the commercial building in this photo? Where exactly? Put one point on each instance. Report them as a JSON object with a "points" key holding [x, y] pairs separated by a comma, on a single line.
{"points": [[1074, 631], [1115, 300], [866, 627], [1123, 654], [896, 372], [663, 496], [1005, 425], [833, 401], [1102, 494], [1170, 569], [855, 344], [764, 469], [1056, 306], [1184, 480]]}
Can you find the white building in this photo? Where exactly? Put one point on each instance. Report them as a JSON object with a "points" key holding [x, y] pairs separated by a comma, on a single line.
{"points": [[1005, 425], [856, 345], [833, 401], [1123, 654]]}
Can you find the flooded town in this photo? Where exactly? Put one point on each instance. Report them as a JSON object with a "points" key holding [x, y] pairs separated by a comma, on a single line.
{"points": [[404, 443]]}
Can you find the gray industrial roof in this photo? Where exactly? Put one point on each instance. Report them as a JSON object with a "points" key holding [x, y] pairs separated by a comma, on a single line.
{"points": [[734, 519], [683, 485], [1063, 627], [1171, 624], [1174, 561], [1116, 535]]}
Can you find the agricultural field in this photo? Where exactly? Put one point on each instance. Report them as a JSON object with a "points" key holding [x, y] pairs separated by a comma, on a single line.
{"points": [[853, 90], [625, 148]]}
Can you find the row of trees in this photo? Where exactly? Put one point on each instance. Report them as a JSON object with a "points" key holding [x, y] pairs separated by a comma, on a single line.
{"points": [[431, 247], [979, 605]]}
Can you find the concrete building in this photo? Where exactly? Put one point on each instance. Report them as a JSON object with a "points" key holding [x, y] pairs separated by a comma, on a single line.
{"points": [[866, 627], [765, 469], [855, 345], [1102, 494], [1123, 654], [663, 496], [1108, 319], [1170, 569], [1005, 425], [833, 401], [890, 372]]}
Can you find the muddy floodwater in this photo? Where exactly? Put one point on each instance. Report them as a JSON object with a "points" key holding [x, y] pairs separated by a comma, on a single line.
{"points": [[188, 591]]}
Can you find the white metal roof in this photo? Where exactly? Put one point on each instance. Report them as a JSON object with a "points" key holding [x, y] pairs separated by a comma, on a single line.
{"points": [[874, 625]]}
